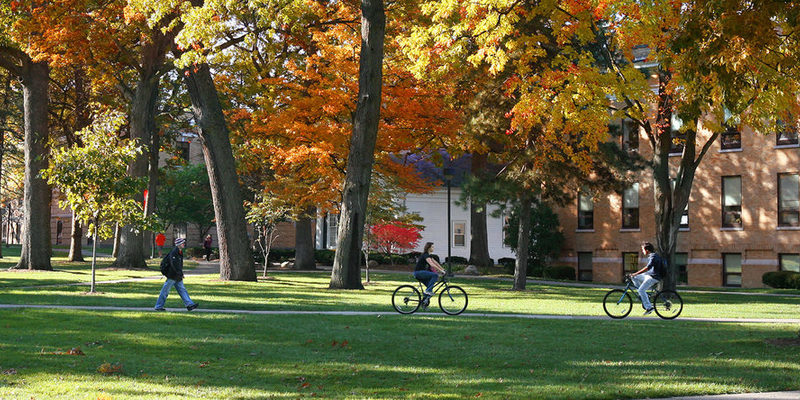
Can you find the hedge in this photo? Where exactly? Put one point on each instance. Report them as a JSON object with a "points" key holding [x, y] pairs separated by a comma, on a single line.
{"points": [[782, 279]]}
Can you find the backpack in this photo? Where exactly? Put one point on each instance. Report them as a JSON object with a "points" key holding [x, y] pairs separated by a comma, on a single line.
{"points": [[661, 267], [165, 265]]}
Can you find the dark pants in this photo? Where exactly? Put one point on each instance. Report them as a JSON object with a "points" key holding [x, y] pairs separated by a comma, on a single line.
{"points": [[208, 253]]}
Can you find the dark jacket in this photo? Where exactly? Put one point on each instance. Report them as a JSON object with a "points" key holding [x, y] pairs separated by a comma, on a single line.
{"points": [[175, 258], [655, 266]]}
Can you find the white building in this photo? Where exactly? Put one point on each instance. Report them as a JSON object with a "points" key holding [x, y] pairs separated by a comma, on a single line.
{"points": [[432, 207]]}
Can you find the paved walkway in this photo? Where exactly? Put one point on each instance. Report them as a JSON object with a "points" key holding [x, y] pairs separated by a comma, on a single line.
{"points": [[393, 313], [744, 396]]}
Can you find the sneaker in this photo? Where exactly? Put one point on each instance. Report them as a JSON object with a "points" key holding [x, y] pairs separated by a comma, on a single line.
{"points": [[191, 307], [428, 292], [649, 310], [161, 309], [425, 304]]}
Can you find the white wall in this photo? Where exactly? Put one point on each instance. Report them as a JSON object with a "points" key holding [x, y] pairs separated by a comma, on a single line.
{"points": [[432, 208]]}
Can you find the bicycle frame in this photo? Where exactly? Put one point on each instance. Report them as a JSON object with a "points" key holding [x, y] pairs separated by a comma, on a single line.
{"points": [[631, 287], [436, 288]]}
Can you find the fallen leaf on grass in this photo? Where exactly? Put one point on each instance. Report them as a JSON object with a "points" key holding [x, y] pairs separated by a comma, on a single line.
{"points": [[75, 351], [109, 369], [10, 371], [203, 364]]}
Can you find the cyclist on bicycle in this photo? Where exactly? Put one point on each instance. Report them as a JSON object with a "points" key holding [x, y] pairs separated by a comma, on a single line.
{"points": [[423, 273], [648, 276]]}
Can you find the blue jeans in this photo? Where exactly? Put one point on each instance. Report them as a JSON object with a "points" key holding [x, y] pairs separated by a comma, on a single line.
{"points": [[644, 282], [427, 277], [162, 297]]}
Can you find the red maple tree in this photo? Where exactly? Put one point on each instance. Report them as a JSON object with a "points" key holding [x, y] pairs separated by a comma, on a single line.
{"points": [[393, 237]]}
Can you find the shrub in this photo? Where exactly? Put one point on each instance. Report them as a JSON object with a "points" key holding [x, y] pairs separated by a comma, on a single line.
{"points": [[280, 255], [325, 256], [559, 272], [782, 279], [456, 260], [508, 264]]}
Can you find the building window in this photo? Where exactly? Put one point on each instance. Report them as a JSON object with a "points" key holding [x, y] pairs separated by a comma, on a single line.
{"points": [[789, 262], [788, 200], [585, 210], [681, 261], [630, 135], [584, 265], [183, 150], [732, 269], [630, 262], [179, 230], [684, 224], [333, 230], [685, 218], [630, 207], [730, 138], [506, 229], [678, 137], [787, 134], [459, 233], [731, 201]]}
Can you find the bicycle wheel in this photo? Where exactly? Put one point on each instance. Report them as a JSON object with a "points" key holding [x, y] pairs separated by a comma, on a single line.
{"points": [[617, 303], [405, 299], [668, 304], [453, 300]]}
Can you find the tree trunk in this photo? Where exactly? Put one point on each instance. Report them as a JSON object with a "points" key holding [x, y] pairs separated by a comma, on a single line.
{"points": [[115, 249], [131, 252], [523, 241], [479, 243], [670, 201], [304, 242], [152, 188], [236, 259], [346, 272], [82, 120], [75, 241], [3, 119], [36, 245]]}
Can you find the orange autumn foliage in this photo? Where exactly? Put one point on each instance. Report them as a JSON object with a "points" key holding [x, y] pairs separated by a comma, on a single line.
{"points": [[295, 131]]}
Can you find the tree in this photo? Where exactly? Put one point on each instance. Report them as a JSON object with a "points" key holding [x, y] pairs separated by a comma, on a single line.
{"points": [[185, 197], [545, 239], [558, 110], [717, 68], [93, 182], [265, 215], [36, 246], [346, 272], [394, 237]]}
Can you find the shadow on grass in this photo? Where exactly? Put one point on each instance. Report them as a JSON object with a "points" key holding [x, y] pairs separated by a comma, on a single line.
{"points": [[249, 357]]}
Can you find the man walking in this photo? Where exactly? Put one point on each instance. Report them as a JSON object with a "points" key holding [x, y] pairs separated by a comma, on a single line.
{"points": [[172, 268]]}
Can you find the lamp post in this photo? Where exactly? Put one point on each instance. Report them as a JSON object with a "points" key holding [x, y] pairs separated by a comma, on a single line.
{"points": [[448, 175]]}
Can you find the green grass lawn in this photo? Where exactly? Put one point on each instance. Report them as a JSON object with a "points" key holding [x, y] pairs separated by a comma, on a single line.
{"points": [[182, 355], [210, 355], [309, 291]]}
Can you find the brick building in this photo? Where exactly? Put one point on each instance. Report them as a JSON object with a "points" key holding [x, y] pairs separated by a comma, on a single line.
{"points": [[742, 219]]}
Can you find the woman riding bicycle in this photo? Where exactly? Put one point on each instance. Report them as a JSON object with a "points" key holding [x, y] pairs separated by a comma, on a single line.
{"points": [[648, 276], [423, 273]]}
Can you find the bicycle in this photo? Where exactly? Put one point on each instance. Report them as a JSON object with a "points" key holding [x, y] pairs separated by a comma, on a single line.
{"points": [[618, 303], [453, 300]]}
